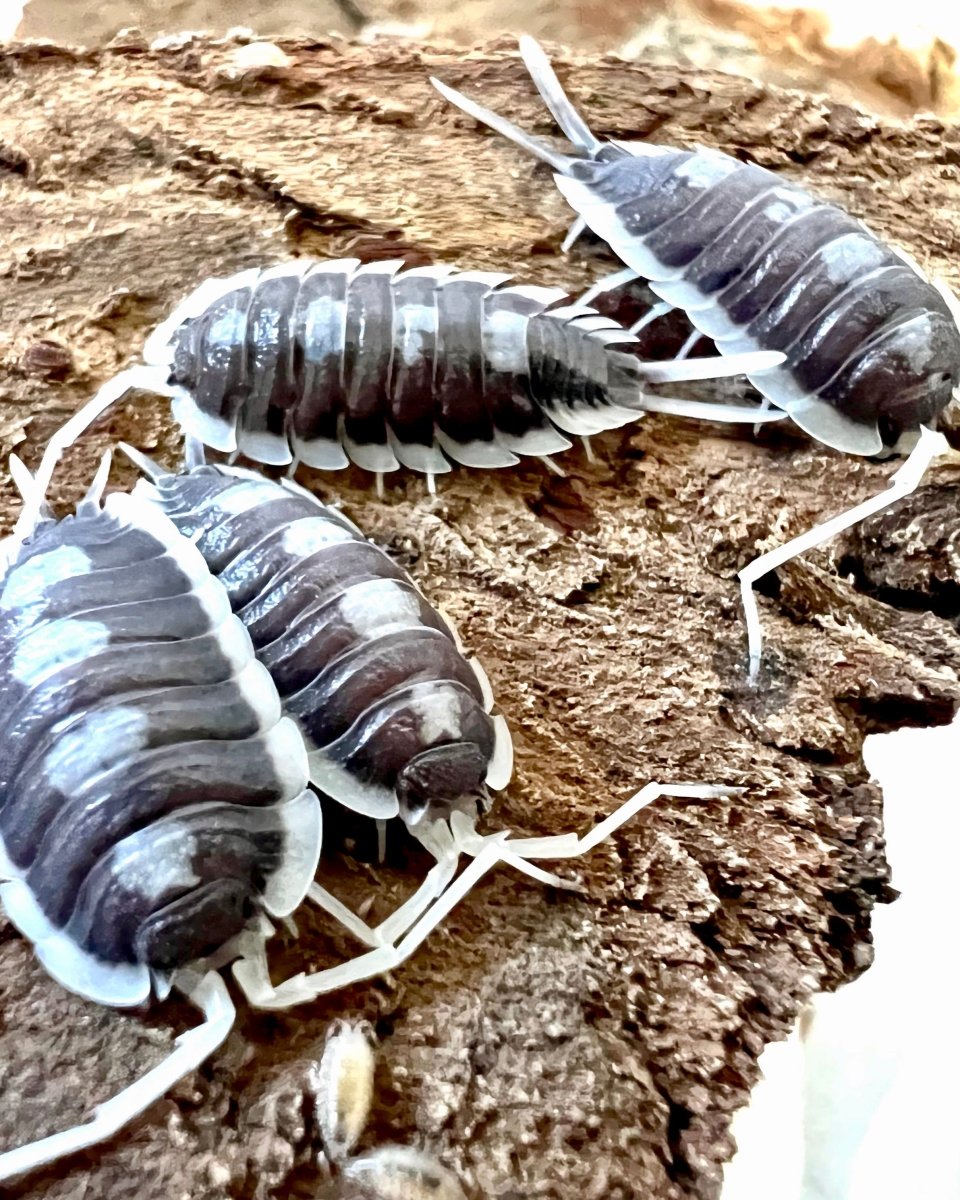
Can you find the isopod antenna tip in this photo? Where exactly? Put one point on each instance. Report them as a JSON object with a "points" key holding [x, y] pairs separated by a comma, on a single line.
{"points": [[555, 98]]}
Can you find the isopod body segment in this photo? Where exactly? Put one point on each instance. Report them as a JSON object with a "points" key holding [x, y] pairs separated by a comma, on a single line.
{"points": [[872, 348]]}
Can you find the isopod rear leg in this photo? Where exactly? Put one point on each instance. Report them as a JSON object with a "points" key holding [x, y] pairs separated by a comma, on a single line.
{"points": [[929, 446], [209, 993]]}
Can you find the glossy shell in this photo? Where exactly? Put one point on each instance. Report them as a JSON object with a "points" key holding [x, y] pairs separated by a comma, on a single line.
{"points": [[152, 797], [334, 362], [395, 717]]}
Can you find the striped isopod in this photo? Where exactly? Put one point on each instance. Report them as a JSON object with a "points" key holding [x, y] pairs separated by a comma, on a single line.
{"points": [[328, 363], [394, 717], [871, 347], [153, 800]]}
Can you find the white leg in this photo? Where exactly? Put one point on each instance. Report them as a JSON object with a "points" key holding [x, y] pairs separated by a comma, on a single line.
{"points": [[575, 231], [431, 484], [929, 446], [147, 378], [706, 410], [253, 977], [381, 840], [194, 452], [551, 465], [689, 344], [569, 845], [653, 314], [609, 283], [439, 841], [588, 450], [251, 971], [191, 1049], [379, 475], [717, 366], [343, 915], [764, 407]]}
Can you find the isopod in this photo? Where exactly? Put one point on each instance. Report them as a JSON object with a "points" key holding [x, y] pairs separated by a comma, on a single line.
{"points": [[154, 807], [328, 363], [871, 348]]}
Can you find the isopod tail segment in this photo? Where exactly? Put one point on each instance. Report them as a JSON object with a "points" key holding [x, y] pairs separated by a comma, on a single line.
{"points": [[905, 480]]}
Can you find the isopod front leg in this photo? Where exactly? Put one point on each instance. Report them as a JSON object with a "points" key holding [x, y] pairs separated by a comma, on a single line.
{"points": [[929, 446], [252, 974], [209, 993]]}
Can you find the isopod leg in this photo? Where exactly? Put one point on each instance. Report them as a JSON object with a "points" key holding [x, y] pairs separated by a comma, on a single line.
{"points": [[575, 231], [209, 994], [651, 315], [571, 845], [609, 283], [438, 840], [343, 915], [929, 446]]}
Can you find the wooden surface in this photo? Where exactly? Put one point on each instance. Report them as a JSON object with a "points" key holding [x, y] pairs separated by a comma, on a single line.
{"points": [[588, 1045]]}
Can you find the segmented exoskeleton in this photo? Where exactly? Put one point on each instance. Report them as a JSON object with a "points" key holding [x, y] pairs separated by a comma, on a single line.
{"points": [[394, 715], [871, 347], [153, 802], [328, 363]]}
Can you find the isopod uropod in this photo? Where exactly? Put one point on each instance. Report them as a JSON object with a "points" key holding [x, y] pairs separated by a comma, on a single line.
{"points": [[871, 348]]}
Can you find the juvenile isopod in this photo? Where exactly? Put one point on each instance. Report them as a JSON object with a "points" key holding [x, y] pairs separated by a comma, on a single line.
{"points": [[871, 348]]}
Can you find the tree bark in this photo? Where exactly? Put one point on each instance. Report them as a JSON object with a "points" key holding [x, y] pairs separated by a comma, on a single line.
{"points": [[591, 1045]]}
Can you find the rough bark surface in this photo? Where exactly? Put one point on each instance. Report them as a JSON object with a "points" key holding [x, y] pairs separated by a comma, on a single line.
{"points": [[591, 1045]]}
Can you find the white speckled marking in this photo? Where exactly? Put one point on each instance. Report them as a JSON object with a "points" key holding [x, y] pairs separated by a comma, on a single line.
{"points": [[29, 581], [54, 645]]}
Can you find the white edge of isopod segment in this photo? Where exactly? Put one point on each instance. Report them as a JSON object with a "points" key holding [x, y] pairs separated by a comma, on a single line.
{"points": [[331, 266], [117, 985], [484, 681], [301, 820], [321, 454], [535, 443], [476, 453], [492, 279], [335, 781], [500, 766], [379, 459], [428, 460], [271, 449], [384, 266], [157, 348], [219, 433]]}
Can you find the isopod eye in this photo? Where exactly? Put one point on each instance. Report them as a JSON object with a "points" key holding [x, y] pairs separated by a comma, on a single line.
{"points": [[439, 778]]}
